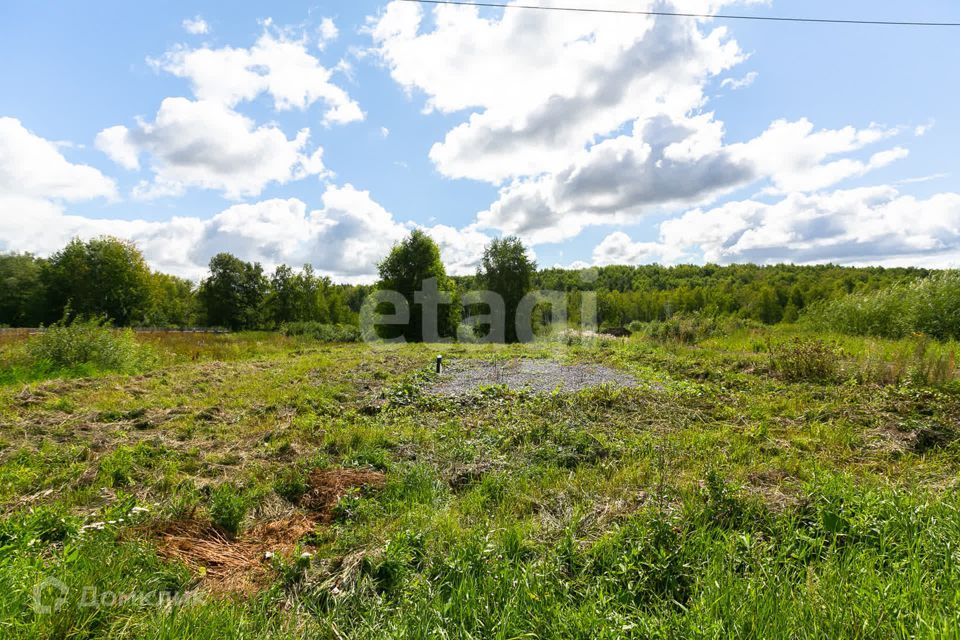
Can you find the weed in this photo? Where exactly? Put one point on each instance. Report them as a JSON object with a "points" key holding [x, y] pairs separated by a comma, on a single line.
{"points": [[228, 508], [806, 360]]}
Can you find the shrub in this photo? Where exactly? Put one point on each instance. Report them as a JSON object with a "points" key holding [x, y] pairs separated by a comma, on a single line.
{"points": [[322, 332], [806, 360], [228, 507], [930, 306], [87, 343], [683, 329]]}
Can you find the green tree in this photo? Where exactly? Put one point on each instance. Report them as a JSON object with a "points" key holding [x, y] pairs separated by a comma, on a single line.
{"points": [[173, 302], [412, 262], [233, 293], [22, 292], [507, 270], [101, 277], [765, 306]]}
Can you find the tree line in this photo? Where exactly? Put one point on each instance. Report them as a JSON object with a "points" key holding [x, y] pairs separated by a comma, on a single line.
{"points": [[107, 277]]}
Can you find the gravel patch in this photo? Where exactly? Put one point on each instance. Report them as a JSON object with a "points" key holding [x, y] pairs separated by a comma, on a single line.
{"points": [[463, 377]]}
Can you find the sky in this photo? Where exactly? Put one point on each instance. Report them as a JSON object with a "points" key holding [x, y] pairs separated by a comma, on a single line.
{"points": [[325, 132]]}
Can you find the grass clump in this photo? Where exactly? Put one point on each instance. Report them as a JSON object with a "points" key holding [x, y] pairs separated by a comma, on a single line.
{"points": [[322, 332], [806, 360], [228, 508]]}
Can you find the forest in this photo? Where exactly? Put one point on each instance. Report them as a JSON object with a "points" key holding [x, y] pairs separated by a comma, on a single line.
{"points": [[109, 278]]}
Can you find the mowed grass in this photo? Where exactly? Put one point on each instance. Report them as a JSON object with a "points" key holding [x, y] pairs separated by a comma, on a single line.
{"points": [[714, 499]]}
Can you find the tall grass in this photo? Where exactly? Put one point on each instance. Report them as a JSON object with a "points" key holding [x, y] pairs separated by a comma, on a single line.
{"points": [[684, 328], [322, 332], [77, 348], [930, 306]]}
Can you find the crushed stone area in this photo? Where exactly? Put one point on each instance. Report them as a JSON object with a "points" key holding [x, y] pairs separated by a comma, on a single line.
{"points": [[464, 377]]}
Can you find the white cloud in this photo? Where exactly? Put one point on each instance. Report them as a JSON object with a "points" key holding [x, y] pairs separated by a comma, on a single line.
{"points": [[661, 163], [668, 163], [734, 84], [460, 249], [196, 26], [327, 31], [345, 238], [384, 132], [876, 225], [602, 120], [207, 145], [924, 129], [33, 167], [115, 142], [540, 86], [618, 248], [278, 64], [798, 158]]}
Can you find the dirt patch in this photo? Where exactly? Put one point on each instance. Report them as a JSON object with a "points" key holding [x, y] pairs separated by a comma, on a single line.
{"points": [[775, 487], [918, 439], [464, 377], [327, 486], [240, 566]]}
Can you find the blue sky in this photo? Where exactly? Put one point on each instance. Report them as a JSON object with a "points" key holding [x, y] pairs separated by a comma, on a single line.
{"points": [[598, 140]]}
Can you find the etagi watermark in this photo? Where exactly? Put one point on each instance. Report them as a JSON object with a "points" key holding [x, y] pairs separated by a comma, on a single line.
{"points": [[546, 309], [50, 596]]}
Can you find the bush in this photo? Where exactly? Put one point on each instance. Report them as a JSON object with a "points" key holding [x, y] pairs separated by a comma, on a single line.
{"points": [[322, 332], [228, 508], [688, 328], [87, 343], [806, 360], [682, 328], [930, 306]]}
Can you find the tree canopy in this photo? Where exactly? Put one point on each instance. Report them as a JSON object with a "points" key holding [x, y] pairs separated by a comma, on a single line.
{"points": [[410, 263], [233, 293], [507, 270], [100, 277]]}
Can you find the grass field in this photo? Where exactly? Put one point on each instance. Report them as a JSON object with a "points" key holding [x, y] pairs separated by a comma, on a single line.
{"points": [[757, 483]]}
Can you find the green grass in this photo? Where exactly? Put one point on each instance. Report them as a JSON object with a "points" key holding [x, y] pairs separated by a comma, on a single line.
{"points": [[717, 498]]}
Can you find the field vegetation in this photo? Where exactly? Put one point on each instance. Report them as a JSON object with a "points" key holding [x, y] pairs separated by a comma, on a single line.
{"points": [[769, 452], [754, 482]]}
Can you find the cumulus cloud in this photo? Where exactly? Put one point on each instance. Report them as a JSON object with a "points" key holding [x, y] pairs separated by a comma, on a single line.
{"points": [[618, 248], [33, 167], [196, 26], [662, 162], [603, 120], [116, 143], [797, 158], [207, 145], [874, 225], [540, 85], [345, 238], [460, 249], [278, 64], [667, 163], [35, 182]]}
